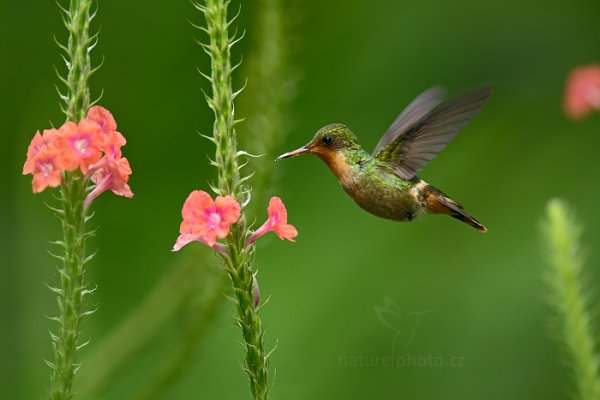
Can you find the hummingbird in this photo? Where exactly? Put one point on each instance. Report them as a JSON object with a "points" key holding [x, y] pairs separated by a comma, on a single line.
{"points": [[384, 183]]}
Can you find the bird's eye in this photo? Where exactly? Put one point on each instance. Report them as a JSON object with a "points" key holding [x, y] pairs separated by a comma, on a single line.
{"points": [[327, 140]]}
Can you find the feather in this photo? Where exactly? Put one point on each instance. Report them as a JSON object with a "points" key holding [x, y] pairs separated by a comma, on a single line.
{"points": [[418, 143], [416, 110]]}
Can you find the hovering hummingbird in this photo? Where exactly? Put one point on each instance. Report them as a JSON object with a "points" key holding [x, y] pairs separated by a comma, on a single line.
{"points": [[384, 183]]}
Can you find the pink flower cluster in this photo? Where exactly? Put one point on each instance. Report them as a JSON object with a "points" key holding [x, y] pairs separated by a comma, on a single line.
{"points": [[205, 220], [93, 146], [582, 92]]}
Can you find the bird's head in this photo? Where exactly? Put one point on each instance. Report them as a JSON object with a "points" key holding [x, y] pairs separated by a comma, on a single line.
{"points": [[329, 143]]}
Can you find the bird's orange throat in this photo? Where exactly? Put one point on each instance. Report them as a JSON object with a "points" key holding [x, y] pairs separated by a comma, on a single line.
{"points": [[336, 162]]}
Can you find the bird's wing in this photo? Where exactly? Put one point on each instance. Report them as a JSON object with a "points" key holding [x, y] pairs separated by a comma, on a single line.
{"points": [[429, 131], [420, 107]]}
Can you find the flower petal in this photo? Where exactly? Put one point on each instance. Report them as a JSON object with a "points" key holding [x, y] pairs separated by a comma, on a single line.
{"points": [[102, 117], [47, 169], [229, 209], [34, 147], [208, 236], [277, 211], [80, 144], [196, 204], [47, 139], [113, 141], [286, 231], [184, 239]]}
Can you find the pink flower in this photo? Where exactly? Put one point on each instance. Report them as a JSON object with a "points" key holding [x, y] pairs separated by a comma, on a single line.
{"points": [[44, 160], [80, 144], [205, 220], [102, 117], [110, 173], [113, 141], [47, 169], [277, 223], [582, 93], [36, 145]]}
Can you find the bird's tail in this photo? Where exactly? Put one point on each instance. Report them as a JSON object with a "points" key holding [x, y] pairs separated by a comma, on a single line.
{"points": [[439, 203]]}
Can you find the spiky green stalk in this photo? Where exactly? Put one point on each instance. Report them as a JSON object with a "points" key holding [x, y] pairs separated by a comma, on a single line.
{"points": [[77, 19], [238, 260], [73, 289], [240, 272], [72, 212], [569, 298], [221, 101]]}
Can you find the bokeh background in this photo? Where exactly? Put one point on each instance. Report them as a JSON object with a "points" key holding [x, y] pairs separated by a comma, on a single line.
{"points": [[473, 306]]}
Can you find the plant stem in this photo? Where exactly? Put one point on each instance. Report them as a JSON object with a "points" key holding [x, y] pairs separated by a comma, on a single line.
{"points": [[569, 298], [77, 20], [72, 213], [230, 183], [239, 270], [221, 102], [72, 291]]}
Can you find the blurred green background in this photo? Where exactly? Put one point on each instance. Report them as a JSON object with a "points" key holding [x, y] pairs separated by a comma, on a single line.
{"points": [[462, 297]]}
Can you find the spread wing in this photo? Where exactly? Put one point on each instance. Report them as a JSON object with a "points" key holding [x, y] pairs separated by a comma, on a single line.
{"points": [[420, 107], [410, 144]]}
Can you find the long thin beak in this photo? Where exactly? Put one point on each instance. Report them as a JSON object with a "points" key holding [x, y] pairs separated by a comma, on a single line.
{"points": [[301, 150]]}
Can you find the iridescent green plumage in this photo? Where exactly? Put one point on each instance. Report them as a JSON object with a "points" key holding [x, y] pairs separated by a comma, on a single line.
{"points": [[385, 183]]}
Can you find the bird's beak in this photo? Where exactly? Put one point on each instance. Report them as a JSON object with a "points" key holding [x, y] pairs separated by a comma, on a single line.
{"points": [[301, 150]]}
